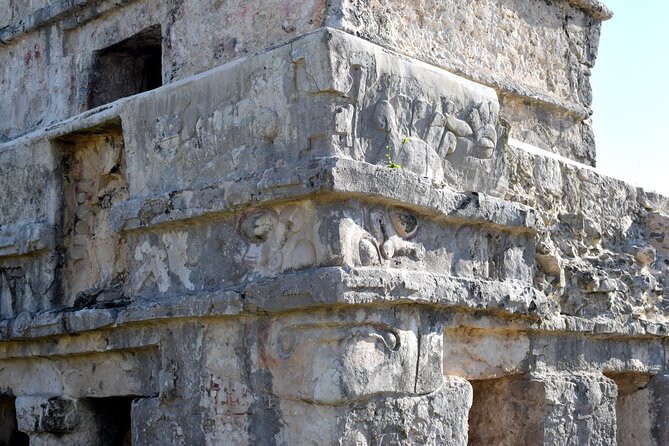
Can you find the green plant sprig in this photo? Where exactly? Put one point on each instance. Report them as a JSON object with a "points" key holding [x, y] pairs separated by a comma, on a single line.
{"points": [[389, 158]]}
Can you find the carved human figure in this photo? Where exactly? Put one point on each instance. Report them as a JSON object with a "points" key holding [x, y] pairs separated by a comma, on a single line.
{"points": [[93, 181], [278, 241], [410, 152], [419, 134]]}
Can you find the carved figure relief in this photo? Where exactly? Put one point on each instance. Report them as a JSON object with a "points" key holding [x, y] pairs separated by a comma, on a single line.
{"points": [[195, 147], [338, 360], [156, 264], [389, 231], [409, 151], [422, 132], [370, 111], [152, 267], [280, 239], [241, 123], [93, 181], [288, 237], [431, 132]]}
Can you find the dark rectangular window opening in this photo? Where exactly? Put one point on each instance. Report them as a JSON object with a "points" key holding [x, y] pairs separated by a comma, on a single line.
{"points": [[10, 435], [112, 417], [129, 67]]}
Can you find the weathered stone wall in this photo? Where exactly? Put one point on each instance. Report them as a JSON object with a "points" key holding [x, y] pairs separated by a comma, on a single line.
{"points": [[537, 54], [48, 50], [326, 241]]}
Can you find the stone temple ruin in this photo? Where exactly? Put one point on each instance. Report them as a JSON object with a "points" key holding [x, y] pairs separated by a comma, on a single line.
{"points": [[310, 222]]}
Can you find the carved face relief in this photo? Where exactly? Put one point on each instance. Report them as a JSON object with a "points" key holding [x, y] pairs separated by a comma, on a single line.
{"points": [[257, 227], [336, 361], [404, 222], [391, 229], [280, 239]]}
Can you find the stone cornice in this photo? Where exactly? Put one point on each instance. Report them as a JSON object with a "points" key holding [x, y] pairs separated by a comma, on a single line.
{"points": [[594, 8], [76, 12]]}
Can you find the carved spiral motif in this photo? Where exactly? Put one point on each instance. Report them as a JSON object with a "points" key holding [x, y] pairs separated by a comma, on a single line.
{"points": [[404, 222], [257, 226]]}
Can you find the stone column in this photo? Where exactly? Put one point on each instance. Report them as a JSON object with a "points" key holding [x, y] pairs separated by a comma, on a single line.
{"points": [[579, 410], [659, 409], [364, 377]]}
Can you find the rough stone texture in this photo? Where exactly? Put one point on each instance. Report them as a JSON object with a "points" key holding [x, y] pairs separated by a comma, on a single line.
{"points": [[304, 237], [536, 54]]}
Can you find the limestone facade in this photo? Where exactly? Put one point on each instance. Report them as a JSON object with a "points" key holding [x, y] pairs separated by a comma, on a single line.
{"points": [[307, 222]]}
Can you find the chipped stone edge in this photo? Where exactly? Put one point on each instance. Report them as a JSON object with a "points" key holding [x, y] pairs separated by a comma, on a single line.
{"points": [[594, 8], [328, 287], [324, 176], [17, 240]]}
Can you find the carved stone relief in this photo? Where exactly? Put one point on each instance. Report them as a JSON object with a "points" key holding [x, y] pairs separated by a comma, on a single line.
{"points": [[332, 359], [26, 284], [385, 234], [356, 104], [94, 180], [281, 239], [294, 237], [420, 134], [158, 263]]}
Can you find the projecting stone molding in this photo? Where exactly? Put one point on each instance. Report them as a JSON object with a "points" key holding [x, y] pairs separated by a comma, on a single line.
{"points": [[306, 236]]}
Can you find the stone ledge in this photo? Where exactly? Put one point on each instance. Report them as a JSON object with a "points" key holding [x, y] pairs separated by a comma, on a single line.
{"points": [[59, 10], [333, 286], [301, 290], [595, 8], [333, 176], [369, 286], [18, 240]]}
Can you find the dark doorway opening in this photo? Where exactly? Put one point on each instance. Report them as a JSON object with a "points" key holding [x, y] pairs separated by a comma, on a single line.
{"points": [[633, 408], [129, 67], [112, 416], [506, 411], [10, 435]]}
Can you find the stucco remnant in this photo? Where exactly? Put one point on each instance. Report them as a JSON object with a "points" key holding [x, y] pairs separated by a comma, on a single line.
{"points": [[321, 227]]}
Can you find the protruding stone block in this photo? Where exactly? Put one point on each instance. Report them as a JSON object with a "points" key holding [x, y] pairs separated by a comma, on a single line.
{"points": [[53, 415]]}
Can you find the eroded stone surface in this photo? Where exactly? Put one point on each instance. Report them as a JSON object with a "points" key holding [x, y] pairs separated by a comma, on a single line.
{"points": [[325, 242], [540, 53]]}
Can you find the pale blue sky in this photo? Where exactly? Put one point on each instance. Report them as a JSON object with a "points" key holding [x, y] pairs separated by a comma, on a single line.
{"points": [[630, 84]]}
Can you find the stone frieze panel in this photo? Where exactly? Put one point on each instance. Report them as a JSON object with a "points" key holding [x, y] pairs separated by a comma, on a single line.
{"points": [[324, 94], [270, 240]]}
